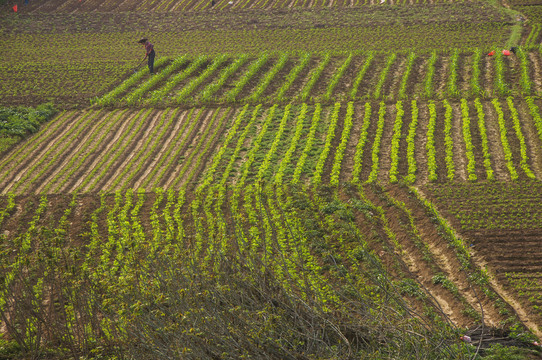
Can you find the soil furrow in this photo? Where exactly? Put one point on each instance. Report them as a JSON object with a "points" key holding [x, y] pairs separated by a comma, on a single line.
{"points": [[532, 141], [183, 166], [494, 143], [459, 156], [93, 163], [132, 150], [350, 151], [81, 143], [161, 151], [384, 156], [38, 156]]}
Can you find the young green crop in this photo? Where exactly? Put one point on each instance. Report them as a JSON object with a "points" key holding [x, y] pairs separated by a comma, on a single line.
{"points": [[396, 137], [376, 144], [411, 144], [404, 80], [483, 135], [358, 156], [339, 154], [360, 75], [430, 145]]}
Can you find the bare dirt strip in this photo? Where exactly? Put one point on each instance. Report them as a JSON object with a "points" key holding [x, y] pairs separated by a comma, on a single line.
{"points": [[512, 251], [459, 157], [435, 259], [350, 151]]}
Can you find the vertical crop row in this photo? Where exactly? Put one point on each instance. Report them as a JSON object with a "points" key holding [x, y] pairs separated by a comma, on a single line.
{"points": [[430, 73], [308, 145], [136, 96], [317, 175], [361, 74], [252, 70], [411, 144], [501, 87], [519, 134], [395, 142], [287, 157], [267, 79], [483, 135], [471, 163], [525, 78], [358, 156], [404, 80], [207, 94], [475, 87], [535, 113], [313, 77], [451, 85], [336, 77], [504, 141], [345, 136], [162, 93], [377, 93], [448, 140], [194, 83], [430, 145], [376, 144], [290, 78]]}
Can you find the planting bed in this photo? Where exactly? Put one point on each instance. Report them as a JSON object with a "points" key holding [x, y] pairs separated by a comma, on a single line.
{"points": [[298, 179]]}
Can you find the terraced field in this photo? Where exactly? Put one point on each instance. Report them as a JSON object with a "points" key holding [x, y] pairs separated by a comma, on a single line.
{"points": [[300, 179]]}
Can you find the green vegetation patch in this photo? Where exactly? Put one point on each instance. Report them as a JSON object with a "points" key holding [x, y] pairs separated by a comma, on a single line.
{"points": [[17, 122]]}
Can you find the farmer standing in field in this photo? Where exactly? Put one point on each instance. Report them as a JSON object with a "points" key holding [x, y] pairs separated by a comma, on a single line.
{"points": [[149, 53]]}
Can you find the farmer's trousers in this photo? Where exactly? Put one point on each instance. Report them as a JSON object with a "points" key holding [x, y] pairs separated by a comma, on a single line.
{"points": [[151, 61]]}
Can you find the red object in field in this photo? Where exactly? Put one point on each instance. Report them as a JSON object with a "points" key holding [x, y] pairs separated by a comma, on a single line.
{"points": [[15, 8], [506, 52], [491, 53]]}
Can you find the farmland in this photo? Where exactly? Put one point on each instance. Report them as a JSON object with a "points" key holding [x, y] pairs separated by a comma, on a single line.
{"points": [[297, 180]]}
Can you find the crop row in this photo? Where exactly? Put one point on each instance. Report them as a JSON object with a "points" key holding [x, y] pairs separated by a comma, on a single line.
{"points": [[325, 78], [435, 141], [309, 245], [491, 206], [197, 5]]}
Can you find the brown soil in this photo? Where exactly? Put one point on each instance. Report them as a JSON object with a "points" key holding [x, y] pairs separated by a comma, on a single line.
{"points": [[459, 157], [160, 150], [93, 163], [498, 162], [532, 140]]}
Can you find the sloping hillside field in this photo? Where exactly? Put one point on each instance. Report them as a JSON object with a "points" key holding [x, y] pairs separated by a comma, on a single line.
{"points": [[298, 179]]}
